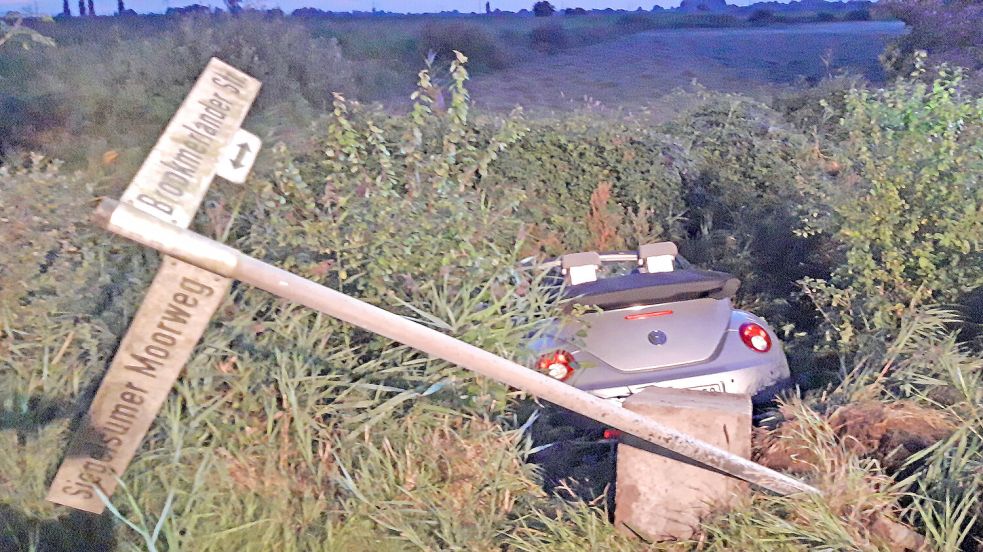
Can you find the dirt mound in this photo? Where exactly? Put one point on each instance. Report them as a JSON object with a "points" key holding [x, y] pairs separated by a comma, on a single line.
{"points": [[888, 432]]}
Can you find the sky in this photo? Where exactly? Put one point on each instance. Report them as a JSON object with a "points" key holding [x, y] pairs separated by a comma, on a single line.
{"points": [[107, 7]]}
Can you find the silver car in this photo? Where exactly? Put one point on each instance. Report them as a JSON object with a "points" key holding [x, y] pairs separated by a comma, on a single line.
{"points": [[638, 319]]}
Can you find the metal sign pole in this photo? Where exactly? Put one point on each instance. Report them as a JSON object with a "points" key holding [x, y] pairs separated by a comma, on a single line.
{"points": [[220, 259]]}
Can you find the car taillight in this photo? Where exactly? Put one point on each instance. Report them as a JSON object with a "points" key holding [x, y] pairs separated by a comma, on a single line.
{"points": [[558, 365], [611, 433], [755, 337]]}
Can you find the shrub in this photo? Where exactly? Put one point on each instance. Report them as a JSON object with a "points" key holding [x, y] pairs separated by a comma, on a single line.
{"points": [[857, 15], [949, 32], [589, 168], [711, 20], [549, 37], [543, 9], [906, 210], [574, 11], [13, 31], [129, 88], [825, 17], [742, 197], [636, 22], [818, 109], [762, 17], [443, 38]]}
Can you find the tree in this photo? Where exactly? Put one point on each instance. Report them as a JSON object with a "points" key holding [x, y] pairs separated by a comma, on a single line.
{"points": [[92, 8], [120, 7], [81, 8], [487, 8], [543, 9], [65, 10]]}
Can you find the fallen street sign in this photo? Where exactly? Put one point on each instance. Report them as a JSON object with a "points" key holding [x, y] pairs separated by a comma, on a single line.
{"points": [[238, 156], [180, 301]]}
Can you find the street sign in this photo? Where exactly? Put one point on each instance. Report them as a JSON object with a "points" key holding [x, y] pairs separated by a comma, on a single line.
{"points": [[182, 298]]}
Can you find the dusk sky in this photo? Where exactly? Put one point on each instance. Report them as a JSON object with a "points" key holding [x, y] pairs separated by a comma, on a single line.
{"points": [[107, 7]]}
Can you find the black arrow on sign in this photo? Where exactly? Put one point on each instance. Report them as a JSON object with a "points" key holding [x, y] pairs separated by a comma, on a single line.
{"points": [[243, 150]]}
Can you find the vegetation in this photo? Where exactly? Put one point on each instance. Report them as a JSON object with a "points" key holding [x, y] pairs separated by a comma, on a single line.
{"points": [[907, 212], [949, 32], [12, 30], [848, 212], [543, 9]]}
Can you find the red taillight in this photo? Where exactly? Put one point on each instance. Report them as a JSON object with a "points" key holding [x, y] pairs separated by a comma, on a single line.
{"points": [[611, 433], [755, 337], [557, 365], [644, 315]]}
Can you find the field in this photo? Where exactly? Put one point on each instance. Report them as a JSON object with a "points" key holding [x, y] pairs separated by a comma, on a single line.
{"points": [[844, 193], [640, 70]]}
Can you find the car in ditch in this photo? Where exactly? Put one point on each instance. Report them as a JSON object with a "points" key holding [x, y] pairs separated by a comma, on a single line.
{"points": [[648, 318]]}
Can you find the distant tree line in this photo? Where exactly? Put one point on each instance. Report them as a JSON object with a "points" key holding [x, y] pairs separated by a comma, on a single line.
{"points": [[760, 11], [88, 8]]}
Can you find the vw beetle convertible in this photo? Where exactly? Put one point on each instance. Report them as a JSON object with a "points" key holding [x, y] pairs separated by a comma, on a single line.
{"points": [[638, 319]]}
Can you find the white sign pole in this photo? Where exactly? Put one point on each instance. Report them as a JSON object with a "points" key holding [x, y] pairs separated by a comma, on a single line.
{"points": [[181, 300], [226, 261]]}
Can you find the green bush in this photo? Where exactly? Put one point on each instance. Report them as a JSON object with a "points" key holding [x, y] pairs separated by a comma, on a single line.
{"points": [[589, 182], [742, 195], [549, 37], [762, 17], [444, 37], [818, 109], [906, 209], [129, 86], [857, 15], [947, 32], [636, 22], [13, 31]]}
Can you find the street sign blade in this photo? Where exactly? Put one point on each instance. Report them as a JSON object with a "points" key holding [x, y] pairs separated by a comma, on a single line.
{"points": [[238, 156], [173, 179], [177, 308]]}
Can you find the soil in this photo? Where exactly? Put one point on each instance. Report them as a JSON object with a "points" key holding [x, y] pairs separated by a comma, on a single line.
{"points": [[890, 432]]}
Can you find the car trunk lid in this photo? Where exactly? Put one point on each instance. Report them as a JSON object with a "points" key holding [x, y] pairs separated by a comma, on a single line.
{"points": [[657, 336]]}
